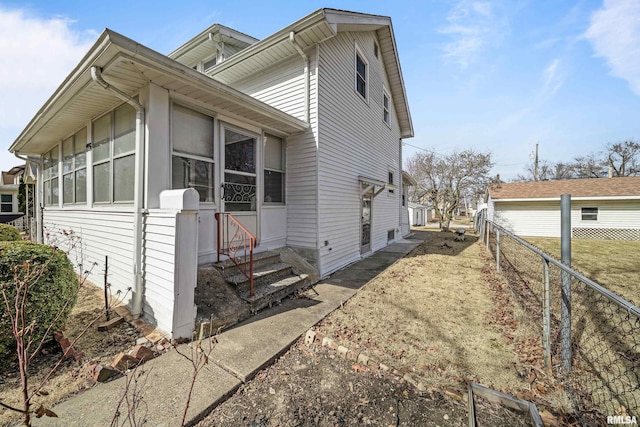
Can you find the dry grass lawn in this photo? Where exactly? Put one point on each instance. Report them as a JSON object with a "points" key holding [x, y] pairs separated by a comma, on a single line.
{"points": [[612, 263], [432, 313]]}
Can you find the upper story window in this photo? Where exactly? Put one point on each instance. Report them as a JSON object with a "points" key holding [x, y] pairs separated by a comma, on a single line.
{"points": [[192, 156], [386, 116], [589, 214], [50, 177], [361, 74], [6, 203], [74, 168], [375, 49], [114, 155], [274, 169]]}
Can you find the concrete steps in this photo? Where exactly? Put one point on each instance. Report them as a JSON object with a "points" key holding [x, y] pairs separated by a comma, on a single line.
{"points": [[222, 293]]}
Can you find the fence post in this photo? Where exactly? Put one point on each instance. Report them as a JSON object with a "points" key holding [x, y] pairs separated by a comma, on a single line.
{"points": [[498, 250], [546, 317], [488, 232], [565, 246]]}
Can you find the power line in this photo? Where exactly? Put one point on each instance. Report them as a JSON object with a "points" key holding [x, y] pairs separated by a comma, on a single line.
{"points": [[444, 155]]}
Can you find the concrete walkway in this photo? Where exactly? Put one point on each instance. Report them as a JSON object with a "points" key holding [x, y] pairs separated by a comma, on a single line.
{"points": [[241, 352]]}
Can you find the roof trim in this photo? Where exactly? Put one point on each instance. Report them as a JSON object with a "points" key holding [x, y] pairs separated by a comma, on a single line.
{"points": [[557, 199], [336, 20], [407, 177], [205, 35], [109, 47]]}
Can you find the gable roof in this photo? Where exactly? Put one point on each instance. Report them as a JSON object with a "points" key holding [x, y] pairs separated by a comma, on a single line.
{"points": [[206, 44], [315, 28], [590, 188], [131, 66]]}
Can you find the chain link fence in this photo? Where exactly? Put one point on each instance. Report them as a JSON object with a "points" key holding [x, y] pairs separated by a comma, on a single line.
{"points": [[590, 336]]}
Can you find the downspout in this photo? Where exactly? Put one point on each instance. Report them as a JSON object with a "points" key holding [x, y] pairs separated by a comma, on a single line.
{"points": [[307, 74], [138, 192]]}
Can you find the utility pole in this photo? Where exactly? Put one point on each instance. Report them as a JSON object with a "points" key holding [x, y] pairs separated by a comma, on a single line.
{"points": [[535, 165]]}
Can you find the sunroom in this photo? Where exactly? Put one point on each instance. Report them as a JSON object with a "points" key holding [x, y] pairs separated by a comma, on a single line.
{"points": [[139, 153]]}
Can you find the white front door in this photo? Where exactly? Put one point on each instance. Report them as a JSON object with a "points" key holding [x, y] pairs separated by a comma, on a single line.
{"points": [[240, 178]]}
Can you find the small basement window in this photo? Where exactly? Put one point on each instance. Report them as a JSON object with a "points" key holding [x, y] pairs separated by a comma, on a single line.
{"points": [[589, 214], [391, 235]]}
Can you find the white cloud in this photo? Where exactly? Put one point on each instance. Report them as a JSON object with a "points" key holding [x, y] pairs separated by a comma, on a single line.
{"points": [[472, 26], [614, 33], [553, 77], [36, 55]]}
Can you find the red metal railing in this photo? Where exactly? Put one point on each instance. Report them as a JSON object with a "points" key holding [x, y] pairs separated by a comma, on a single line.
{"points": [[236, 242]]}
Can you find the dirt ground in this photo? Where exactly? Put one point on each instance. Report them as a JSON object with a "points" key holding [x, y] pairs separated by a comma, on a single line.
{"points": [[313, 386], [437, 314], [72, 376]]}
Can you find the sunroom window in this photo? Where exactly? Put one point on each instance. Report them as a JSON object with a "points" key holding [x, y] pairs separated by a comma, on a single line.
{"points": [[274, 165], [192, 159], [50, 177], [74, 168], [114, 156]]}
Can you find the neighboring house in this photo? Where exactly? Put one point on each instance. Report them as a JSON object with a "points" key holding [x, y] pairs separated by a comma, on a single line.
{"points": [[298, 135], [419, 215], [605, 208], [9, 188], [405, 218]]}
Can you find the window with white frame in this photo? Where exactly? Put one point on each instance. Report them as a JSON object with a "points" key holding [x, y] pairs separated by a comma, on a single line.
{"points": [[192, 157], [50, 177], [114, 156], [74, 168], [385, 107], [274, 165], [6, 202], [589, 214], [390, 181], [361, 74]]}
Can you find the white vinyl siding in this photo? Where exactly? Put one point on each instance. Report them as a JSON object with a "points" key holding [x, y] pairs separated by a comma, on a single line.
{"points": [[95, 234], [281, 86], [353, 142], [543, 218], [160, 268]]}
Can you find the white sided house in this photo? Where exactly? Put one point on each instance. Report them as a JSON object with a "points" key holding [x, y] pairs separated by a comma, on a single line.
{"points": [[601, 208], [297, 136], [9, 188]]}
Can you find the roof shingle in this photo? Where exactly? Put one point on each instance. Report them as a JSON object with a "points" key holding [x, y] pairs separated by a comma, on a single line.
{"points": [[590, 187]]}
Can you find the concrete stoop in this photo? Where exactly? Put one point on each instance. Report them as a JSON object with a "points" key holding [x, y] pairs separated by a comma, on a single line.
{"points": [[223, 291]]}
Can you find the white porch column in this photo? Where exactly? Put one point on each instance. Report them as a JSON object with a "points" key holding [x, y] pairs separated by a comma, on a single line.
{"points": [[185, 204]]}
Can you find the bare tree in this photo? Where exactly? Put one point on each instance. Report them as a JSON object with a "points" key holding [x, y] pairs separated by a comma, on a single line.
{"points": [[547, 171], [624, 158], [444, 180], [589, 166]]}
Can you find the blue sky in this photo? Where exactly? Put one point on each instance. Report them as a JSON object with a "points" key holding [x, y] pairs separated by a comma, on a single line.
{"points": [[495, 75]]}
